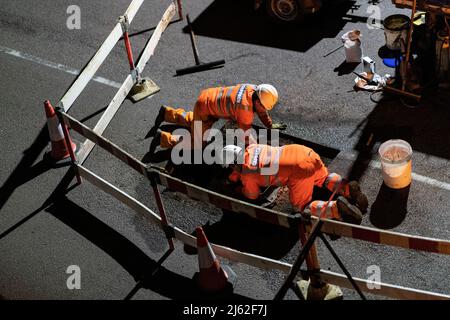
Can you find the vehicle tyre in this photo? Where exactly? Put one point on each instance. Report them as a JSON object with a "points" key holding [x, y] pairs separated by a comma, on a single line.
{"points": [[285, 11]]}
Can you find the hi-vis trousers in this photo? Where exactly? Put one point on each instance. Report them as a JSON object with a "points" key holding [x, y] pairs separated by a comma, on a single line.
{"points": [[185, 119], [331, 182]]}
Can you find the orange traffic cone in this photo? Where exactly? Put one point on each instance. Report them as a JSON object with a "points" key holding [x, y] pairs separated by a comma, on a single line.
{"points": [[212, 277], [59, 150]]}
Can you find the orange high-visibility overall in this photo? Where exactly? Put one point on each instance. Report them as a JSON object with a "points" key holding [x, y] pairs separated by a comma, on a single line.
{"points": [[295, 166], [233, 103]]}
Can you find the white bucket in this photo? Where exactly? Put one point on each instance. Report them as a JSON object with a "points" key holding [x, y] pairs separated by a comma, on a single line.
{"points": [[396, 30], [352, 46], [396, 165], [353, 52]]}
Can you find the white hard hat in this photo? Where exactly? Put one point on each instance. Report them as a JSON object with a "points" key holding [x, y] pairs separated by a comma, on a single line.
{"points": [[268, 95], [230, 154]]}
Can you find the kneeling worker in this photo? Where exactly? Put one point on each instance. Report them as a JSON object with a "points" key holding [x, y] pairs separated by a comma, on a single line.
{"points": [[299, 168], [238, 103]]}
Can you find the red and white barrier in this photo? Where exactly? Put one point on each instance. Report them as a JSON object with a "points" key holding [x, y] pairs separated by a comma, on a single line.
{"points": [[343, 229], [124, 90], [384, 289]]}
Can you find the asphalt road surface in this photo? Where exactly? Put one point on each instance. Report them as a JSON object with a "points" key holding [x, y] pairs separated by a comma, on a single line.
{"points": [[42, 235]]}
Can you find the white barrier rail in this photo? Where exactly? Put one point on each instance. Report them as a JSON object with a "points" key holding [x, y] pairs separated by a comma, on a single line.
{"points": [[388, 290], [94, 64], [122, 93]]}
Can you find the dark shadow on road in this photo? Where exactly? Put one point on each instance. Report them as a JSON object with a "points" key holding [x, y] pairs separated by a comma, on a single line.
{"points": [[25, 170], [178, 287], [136, 33], [244, 233], [390, 208], [236, 20], [157, 157], [345, 68], [121, 249], [61, 189], [146, 271], [426, 128], [92, 115]]}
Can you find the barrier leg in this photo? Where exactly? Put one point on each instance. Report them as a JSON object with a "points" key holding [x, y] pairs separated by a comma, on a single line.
{"points": [[168, 229], [143, 87], [180, 10], [304, 255], [126, 39], [68, 142], [315, 288]]}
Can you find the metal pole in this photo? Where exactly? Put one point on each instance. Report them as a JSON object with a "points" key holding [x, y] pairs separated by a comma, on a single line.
{"points": [[299, 261], [311, 260], [408, 45], [68, 142], [160, 205], [126, 39]]}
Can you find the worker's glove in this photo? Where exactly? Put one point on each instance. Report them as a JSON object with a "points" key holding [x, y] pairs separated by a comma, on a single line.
{"points": [[279, 126]]}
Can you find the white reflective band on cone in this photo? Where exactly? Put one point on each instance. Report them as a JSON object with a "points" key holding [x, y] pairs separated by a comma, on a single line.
{"points": [[206, 257], [55, 129]]}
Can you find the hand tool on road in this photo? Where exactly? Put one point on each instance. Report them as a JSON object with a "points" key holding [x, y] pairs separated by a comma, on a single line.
{"points": [[199, 66], [333, 51], [392, 89]]}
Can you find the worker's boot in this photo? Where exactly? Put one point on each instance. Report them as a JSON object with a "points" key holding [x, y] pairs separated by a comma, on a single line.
{"points": [[357, 197], [155, 142], [349, 213], [159, 119]]}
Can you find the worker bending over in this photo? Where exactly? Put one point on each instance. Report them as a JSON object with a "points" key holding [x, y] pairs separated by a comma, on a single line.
{"points": [[238, 103], [299, 168]]}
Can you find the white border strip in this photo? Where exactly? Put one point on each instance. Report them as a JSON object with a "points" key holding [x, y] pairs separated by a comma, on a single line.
{"points": [[56, 66]]}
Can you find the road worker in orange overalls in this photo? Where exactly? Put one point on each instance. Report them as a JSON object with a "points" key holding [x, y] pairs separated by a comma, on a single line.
{"points": [[299, 168], [238, 103]]}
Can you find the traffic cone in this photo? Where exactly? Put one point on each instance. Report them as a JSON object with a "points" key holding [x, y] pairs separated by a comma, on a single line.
{"points": [[212, 277], [59, 150]]}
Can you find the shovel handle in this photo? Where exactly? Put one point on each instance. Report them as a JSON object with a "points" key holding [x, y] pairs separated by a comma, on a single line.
{"points": [[193, 42]]}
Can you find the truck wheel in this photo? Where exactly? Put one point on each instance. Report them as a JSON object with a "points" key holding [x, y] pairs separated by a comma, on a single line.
{"points": [[286, 11]]}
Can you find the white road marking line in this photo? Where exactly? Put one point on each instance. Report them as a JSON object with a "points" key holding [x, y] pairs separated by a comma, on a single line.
{"points": [[415, 176], [56, 66]]}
